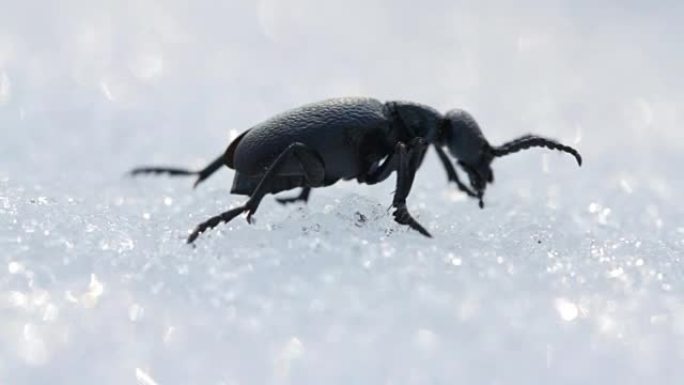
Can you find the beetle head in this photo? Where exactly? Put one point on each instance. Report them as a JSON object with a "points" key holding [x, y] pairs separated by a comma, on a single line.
{"points": [[464, 139]]}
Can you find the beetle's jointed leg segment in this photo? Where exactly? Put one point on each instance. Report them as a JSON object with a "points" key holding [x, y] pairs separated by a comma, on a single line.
{"points": [[383, 171], [303, 196], [314, 172], [452, 174], [201, 175]]}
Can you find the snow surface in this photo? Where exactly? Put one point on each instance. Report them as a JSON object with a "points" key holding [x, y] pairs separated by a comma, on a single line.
{"points": [[570, 275]]}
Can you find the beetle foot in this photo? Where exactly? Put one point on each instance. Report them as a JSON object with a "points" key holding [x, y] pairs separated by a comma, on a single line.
{"points": [[302, 197], [480, 195], [251, 209], [402, 216], [199, 180], [215, 221], [465, 189], [285, 201], [161, 170]]}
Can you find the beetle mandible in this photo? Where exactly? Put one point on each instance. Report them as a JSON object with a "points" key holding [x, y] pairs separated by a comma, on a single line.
{"points": [[318, 144]]}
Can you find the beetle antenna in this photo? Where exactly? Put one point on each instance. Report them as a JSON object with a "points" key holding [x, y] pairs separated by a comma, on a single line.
{"points": [[528, 141]]}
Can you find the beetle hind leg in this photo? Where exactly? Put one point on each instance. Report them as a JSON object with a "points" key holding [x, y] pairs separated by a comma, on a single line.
{"points": [[303, 197], [314, 174], [203, 174]]}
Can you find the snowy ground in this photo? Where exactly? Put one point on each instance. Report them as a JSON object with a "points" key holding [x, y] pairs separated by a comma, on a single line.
{"points": [[570, 275]]}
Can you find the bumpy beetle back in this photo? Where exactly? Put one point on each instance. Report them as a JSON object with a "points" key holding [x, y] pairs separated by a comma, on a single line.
{"points": [[332, 126]]}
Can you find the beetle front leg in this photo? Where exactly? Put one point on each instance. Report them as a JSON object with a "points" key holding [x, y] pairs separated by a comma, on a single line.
{"points": [[452, 175], [408, 161]]}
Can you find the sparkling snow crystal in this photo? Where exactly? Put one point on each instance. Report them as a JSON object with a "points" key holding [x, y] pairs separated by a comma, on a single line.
{"points": [[568, 276]]}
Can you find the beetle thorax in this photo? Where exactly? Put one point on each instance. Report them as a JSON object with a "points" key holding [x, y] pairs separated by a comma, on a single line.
{"points": [[412, 120]]}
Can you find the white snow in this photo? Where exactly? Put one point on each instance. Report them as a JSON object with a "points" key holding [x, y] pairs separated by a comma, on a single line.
{"points": [[569, 275]]}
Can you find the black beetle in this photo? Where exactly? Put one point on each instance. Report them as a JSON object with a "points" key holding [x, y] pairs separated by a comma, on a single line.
{"points": [[345, 138]]}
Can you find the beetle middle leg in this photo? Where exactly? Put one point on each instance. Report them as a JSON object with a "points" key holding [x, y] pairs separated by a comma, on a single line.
{"points": [[203, 174], [314, 173], [303, 196]]}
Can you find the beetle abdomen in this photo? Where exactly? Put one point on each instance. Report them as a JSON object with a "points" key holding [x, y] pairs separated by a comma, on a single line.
{"points": [[332, 127], [246, 184]]}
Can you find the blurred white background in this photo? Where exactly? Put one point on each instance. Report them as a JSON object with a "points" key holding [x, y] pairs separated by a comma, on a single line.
{"points": [[569, 276], [103, 76]]}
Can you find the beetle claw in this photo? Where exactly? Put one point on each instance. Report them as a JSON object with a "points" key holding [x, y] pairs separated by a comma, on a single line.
{"points": [[402, 216], [480, 196], [250, 211], [465, 189], [199, 180], [285, 201]]}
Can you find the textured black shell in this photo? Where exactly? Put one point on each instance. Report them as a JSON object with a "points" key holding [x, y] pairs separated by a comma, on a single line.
{"points": [[334, 128]]}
